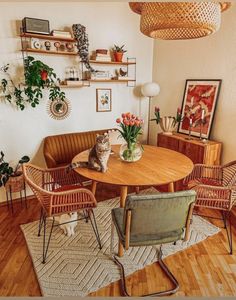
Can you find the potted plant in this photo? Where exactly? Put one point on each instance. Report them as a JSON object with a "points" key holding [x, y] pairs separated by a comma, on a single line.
{"points": [[8, 173], [38, 76], [131, 128], [168, 123], [118, 52]]}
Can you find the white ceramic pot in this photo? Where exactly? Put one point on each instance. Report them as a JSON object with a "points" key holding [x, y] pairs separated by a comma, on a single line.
{"points": [[168, 125]]}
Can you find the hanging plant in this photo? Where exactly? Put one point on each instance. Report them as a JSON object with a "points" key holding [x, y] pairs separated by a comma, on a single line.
{"points": [[38, 76]]}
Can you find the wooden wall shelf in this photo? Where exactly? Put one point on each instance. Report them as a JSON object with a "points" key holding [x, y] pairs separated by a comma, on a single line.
{"points": [[125, 63], [49, 52], [110, 80], [86, 83], [129, 63], [46, 37]]}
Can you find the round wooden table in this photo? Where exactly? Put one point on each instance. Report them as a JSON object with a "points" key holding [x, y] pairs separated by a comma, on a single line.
{"points": [[157, 166]]}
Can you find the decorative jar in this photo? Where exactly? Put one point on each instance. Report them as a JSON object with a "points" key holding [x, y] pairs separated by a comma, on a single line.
{"points": [[168, 125]]}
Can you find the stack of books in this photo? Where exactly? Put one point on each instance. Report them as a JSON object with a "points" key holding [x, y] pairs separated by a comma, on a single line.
{"points": [[102, 57], [62, 34]]}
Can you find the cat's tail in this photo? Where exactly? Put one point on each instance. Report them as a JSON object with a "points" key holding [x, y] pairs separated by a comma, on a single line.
{"points": [[79, 164]]}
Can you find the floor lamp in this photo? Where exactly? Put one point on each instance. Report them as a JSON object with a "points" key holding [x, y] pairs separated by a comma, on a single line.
{"points": [[150, 90]]}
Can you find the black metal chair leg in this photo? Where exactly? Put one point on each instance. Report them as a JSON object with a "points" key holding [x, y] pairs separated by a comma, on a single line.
{"points": [[224, 218], [25, 195], [94, 226], [86, 215], [164, 268], [12, 210], [46, 245], [40, 222], [229, 233], [7, 200], [21, 200]]}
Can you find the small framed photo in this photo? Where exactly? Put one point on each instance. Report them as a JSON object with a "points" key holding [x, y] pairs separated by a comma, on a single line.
{"points": [[103, 100], [198, 107]]}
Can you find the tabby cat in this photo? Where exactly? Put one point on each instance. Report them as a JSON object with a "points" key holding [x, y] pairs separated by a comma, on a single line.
{"points": [[98, 155]]}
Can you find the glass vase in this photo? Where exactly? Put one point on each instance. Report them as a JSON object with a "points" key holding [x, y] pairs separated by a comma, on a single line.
{"points": [[131, 152]]}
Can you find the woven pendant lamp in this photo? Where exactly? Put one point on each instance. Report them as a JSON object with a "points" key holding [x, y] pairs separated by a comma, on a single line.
{"points": [[179, 20]]}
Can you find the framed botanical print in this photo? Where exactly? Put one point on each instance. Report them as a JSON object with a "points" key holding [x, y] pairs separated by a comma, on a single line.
{"points": [[103, 100], [198, 107]]}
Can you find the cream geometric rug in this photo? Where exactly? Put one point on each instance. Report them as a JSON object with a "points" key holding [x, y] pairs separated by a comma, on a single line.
{"points": [[76, 267]]}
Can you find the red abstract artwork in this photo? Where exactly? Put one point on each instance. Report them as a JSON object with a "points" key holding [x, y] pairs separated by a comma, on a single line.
{"points": [[199, 103]]}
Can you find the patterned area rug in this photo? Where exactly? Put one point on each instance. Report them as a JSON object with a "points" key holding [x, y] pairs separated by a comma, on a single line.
{"points": [[75, 265]]}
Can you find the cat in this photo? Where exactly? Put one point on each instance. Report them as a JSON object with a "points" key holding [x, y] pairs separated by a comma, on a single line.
{"points": [[98, 155], [68, 228]]}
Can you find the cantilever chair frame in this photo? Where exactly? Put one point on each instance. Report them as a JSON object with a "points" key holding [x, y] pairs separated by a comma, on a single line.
{"points": [[47, 197], [159, 254]]}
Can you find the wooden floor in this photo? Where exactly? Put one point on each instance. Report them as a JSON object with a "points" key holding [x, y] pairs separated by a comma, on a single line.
{"points": [[205, 269]]}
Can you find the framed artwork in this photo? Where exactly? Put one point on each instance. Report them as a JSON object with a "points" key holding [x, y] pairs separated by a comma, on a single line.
{"points": [[103, 100], [198, 107]]}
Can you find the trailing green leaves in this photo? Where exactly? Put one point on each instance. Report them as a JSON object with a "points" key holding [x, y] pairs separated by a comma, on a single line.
{"points": [[38, 76]]}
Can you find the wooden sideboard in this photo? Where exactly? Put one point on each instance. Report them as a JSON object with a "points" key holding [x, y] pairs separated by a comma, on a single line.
{"points": [[206, 153]]}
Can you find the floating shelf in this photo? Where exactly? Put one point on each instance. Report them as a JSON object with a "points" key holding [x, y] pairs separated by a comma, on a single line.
{"points": [[111, 80], [112, 62], [85, 83], [46, 37], [49, 52], [79, 85]]}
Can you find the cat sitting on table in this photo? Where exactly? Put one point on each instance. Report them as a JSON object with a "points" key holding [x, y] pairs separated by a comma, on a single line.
{"points": [[98, 155]]}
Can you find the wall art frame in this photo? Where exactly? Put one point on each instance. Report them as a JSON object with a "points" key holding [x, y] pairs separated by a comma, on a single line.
{"points": [[103, 100], [199, 104]]}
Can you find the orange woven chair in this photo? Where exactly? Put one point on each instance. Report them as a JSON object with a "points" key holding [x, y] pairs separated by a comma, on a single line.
{"points": [[216, 189], [58, 193]]}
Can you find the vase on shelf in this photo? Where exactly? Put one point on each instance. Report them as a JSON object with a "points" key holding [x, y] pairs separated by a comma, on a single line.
{"points": [[168, 125], [131, 152]]}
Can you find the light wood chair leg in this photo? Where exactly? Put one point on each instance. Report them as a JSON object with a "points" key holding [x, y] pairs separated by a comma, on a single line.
{"points": [[123, 195], [120, 249], [171, 187], [94, 187]]}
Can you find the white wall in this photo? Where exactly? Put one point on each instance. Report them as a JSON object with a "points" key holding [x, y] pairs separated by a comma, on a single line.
{"points": [[22, 133], [210, 57]]}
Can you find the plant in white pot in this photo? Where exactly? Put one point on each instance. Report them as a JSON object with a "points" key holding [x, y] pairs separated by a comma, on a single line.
{"points": [[168, 124]]}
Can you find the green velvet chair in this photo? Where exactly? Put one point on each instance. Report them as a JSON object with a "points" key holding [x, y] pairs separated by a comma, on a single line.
{"points": [[152, 220]]}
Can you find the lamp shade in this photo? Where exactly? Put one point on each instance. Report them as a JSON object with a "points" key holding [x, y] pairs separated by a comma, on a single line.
{"points": [[150, 89], [179, 20]]}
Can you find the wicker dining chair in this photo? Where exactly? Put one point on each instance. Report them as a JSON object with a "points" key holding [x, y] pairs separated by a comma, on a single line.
{"points": [[59, 193], [152, 220], [216, 189]]}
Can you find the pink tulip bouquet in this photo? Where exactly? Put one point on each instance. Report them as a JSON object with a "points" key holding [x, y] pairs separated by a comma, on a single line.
{"points": [[130, 129]]}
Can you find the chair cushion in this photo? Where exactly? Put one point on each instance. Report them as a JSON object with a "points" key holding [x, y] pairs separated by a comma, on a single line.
{"points": [[67, 188], [205, 181], [144, 240]]}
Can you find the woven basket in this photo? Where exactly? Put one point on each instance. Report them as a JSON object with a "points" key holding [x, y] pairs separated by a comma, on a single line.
{"points": [[179, 20], [15, 184]]}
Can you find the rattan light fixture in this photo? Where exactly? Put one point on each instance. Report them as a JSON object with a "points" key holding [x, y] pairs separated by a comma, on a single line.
{"points": [[179, 20]]}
